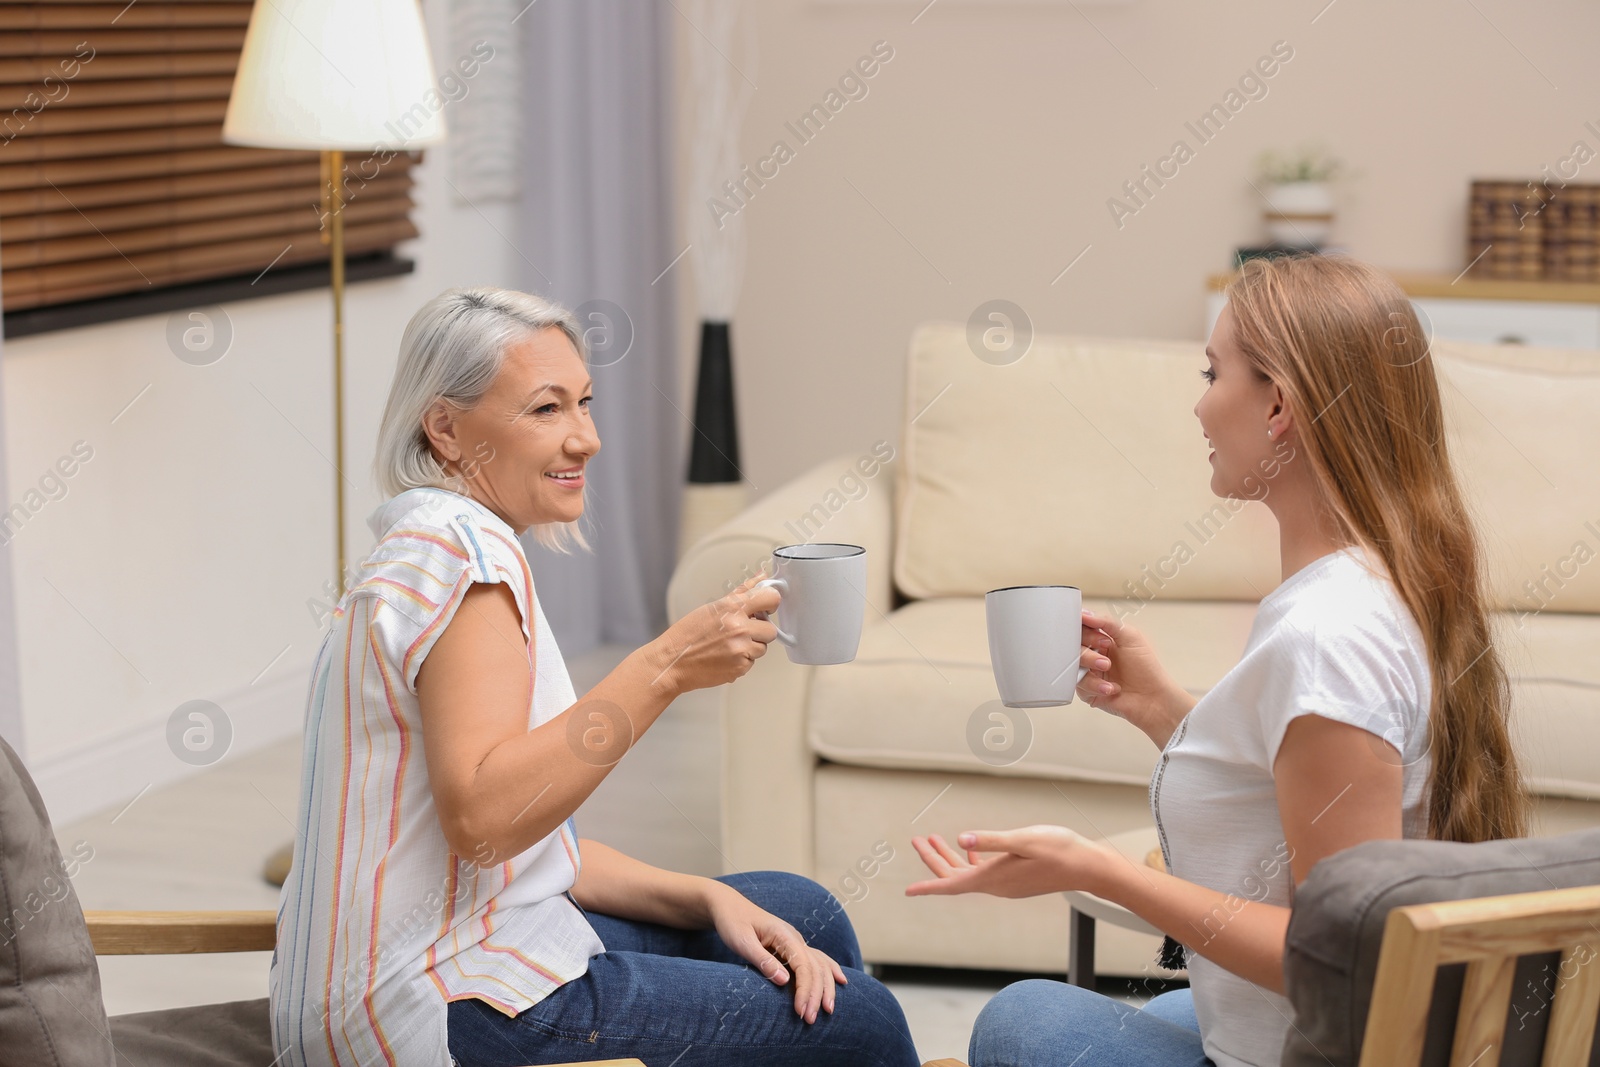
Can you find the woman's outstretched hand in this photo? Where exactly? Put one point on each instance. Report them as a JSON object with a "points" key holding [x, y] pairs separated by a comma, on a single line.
{"points": [[1024, 863], [777, 950], [1134, 686]]}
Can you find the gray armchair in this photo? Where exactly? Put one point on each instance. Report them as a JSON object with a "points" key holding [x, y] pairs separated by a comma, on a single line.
{"points": [[1434, 953], [51, 1012]]}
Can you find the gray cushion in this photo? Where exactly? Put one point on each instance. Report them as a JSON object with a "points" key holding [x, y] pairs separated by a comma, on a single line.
{"points": [[236, 1034], [1336, 930], [50, 1007]]}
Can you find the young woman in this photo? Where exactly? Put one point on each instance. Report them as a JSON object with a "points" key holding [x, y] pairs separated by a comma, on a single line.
{"points": [[441, 908], [1370, 701]]}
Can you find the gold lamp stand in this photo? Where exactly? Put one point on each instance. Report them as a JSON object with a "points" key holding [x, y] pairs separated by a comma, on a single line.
{"points": [[276, 868], [333, 236]]}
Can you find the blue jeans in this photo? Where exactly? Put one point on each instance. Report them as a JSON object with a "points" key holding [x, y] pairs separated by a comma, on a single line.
{"points": [[1040, 1023], [682, 998]]}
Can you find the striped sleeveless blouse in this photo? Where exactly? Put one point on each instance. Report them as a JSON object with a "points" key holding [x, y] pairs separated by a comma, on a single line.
{"points": [[380, 924]]}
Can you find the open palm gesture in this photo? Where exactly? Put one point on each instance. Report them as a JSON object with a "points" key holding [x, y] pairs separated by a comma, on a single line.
{"points": [[1019, 863]]}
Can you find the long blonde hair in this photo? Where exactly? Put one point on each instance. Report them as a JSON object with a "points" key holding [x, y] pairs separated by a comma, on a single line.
{"points": [[1341, 340]]}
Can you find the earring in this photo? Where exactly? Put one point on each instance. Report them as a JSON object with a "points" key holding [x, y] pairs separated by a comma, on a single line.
{"points": [[1269, 431]]}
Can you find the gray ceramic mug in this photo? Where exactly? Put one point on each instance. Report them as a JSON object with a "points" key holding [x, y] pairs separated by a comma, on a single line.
{"points": [[1034, 643], [824, 600]]}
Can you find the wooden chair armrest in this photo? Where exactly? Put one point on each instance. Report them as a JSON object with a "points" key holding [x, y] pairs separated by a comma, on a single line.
{"points": [[125, 933]]}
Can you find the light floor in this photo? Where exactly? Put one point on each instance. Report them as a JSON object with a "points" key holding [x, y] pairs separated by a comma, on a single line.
{"points": [[201, 843]]}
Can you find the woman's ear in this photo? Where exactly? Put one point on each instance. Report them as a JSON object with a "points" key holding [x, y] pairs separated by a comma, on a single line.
{"points": [[1280, 419], [439, 424]]}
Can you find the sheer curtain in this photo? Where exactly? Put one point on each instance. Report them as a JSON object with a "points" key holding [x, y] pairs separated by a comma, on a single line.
{"points": [[596, 232]]}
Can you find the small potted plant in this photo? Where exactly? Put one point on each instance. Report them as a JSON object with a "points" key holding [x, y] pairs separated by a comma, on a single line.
{"points": [[1299, 209]]}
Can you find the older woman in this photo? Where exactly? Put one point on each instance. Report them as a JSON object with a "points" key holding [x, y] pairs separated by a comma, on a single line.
{"points": [[441, 908]]}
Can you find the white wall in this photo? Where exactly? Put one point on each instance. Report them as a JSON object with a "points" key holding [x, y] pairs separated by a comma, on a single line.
{"points": [[992, 141], [179, 563]]}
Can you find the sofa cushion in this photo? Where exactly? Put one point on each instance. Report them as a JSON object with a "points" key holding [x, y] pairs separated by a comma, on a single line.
{"points": [[922, 674], [1336, 930], [1523, 434], [235, 1034], [1081, 464], [1091, 470], [1555, 699], [50, 1007]]}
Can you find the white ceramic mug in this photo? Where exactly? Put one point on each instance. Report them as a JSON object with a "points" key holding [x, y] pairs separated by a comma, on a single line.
{"points": [[824, 599], [1034, 643]]}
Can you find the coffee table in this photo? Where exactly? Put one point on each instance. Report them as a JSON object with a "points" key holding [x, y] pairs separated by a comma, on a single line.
{"points": [[1087, 909]]}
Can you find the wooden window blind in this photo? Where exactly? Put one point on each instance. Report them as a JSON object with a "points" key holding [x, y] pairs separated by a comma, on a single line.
{"points": [[113, 176]]}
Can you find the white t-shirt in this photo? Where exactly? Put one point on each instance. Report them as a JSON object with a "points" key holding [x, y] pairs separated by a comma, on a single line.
{"points": [[1333, 640]]}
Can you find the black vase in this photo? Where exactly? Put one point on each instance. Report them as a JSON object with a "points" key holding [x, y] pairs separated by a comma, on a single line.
{"points": [[714, 453]]}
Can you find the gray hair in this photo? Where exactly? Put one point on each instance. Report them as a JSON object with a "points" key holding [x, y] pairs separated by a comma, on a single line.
{"points": [[451, 350]]}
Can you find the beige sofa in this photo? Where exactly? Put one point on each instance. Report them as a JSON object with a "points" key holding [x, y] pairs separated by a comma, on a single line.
{"points": [[1082, 463]]}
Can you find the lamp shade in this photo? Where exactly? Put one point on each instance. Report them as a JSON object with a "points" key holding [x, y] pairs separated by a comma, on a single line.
{"points": [[354, 75]]}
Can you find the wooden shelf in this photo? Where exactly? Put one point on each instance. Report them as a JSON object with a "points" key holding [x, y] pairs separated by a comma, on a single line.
{"points": [[1446, 286]]}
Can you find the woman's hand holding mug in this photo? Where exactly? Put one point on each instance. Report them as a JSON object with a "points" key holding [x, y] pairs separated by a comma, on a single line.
{"points": [[1132, 685], [721, 641]]}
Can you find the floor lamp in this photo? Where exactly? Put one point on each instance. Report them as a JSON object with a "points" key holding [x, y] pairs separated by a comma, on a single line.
{"points": [[334, 76]]}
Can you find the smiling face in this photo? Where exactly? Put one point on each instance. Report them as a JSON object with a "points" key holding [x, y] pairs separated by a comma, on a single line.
{"points": [[524, 447], [1236, 412]]}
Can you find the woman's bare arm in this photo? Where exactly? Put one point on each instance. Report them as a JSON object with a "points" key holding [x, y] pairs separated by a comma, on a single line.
{"points": [[1337, 785], [500, 787], [614, 883]]}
